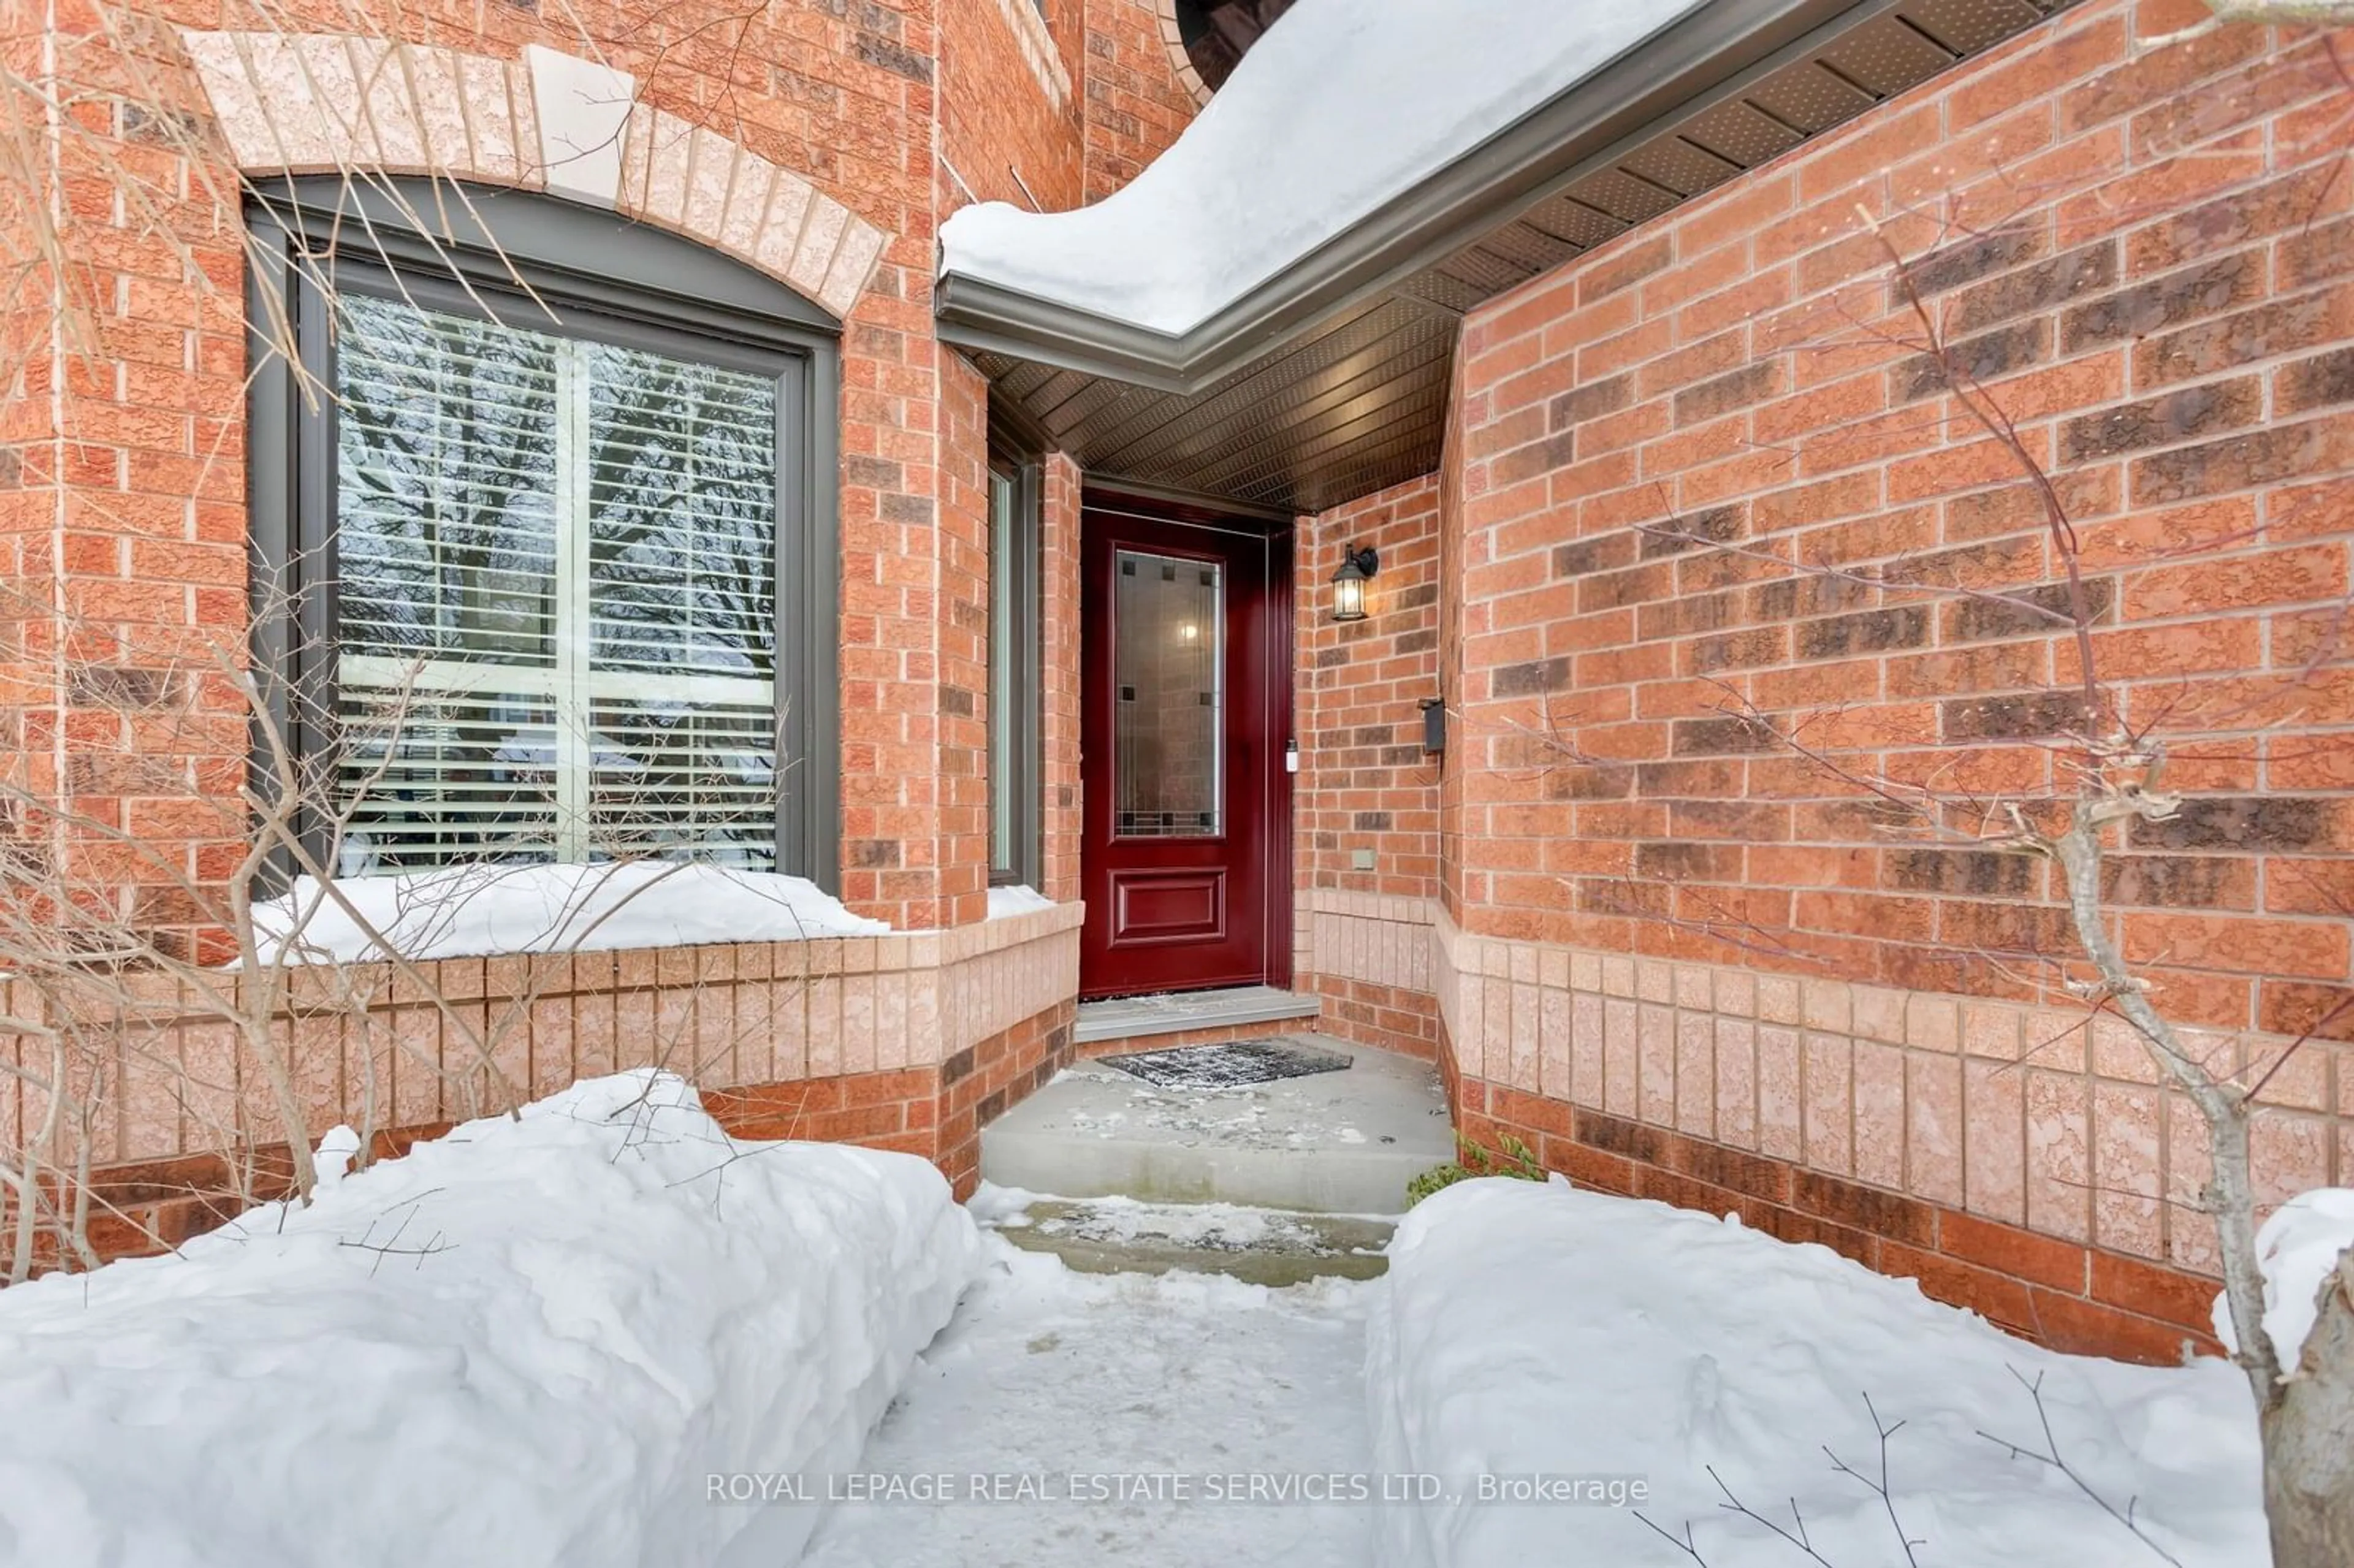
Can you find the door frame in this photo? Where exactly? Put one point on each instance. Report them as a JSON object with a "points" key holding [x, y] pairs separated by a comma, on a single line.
{"points": [[1275, 532]]}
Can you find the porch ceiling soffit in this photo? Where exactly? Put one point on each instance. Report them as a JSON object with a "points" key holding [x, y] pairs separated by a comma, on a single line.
{"points": [[1328, 380]]}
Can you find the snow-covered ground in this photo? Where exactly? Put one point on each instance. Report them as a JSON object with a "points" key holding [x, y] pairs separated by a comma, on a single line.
{"points": [[2300, 1244], [541, 1342], [1532, 1340], [493, 908], [1534, 1330], [1076, 1383], [1018, 899], [527, 1344]]}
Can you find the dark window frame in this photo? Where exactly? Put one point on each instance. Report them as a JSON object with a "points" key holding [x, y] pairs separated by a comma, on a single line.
{"points": [[522, 254], [1010, 459]]}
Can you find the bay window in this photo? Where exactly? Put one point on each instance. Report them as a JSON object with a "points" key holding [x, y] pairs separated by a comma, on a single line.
{"points": [[556, 550]]}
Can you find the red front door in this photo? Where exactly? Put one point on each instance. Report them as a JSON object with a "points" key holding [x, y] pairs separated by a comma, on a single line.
{"points": [[1186, 710]]}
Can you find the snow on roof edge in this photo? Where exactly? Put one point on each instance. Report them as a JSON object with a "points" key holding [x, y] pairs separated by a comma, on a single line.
{"points": [[1298, 148]]}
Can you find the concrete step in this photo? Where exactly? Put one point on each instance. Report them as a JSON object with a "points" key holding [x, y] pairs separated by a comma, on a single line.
{"points": [[1176, 1012], [1257, 1247], [1340, 1142]]}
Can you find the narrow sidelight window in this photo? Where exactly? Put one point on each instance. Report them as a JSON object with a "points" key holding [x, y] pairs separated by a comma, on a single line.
{"points": [[1013, 668]]}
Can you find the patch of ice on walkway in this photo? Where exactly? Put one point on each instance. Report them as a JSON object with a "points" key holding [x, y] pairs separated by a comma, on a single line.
{"points": [[1045, 1373]]}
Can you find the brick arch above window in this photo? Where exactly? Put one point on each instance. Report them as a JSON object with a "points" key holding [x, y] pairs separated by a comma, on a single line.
{"points": [[324, 103], [1173, 36], [1207, 38]]}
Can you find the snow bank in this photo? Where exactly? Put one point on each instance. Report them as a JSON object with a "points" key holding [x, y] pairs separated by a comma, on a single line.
{"points": [[1020, 899], [1537, 1330], [2297, 1247], [526, 1343], [548, 908], [1339, 106]]}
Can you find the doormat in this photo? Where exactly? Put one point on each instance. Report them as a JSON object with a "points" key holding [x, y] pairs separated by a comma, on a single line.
{"points": [[1233, 1066]]}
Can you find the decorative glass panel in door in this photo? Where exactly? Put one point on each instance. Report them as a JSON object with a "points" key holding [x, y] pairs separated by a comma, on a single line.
{"points": [[1169, 695], [1180, 754]]}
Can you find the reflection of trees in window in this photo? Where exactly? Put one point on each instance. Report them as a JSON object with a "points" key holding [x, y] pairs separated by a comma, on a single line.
{"points": [[700, 777], [558, 613], [447, 474], [451, 776], [682, 515]]}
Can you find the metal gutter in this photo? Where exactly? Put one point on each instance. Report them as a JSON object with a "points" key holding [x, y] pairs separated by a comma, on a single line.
{"points": [[1699, 62]]}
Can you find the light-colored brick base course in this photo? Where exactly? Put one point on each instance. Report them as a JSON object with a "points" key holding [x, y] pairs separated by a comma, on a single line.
{"points": [[900, 1041], [2027, 1115], [2071, 1298], [935, 1112]]}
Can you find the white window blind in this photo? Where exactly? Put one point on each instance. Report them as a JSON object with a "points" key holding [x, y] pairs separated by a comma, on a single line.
{"points": [[555, 623]]}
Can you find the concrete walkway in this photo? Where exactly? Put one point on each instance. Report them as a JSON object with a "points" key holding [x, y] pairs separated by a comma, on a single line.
{"points": [[1119, 1415], [1344, 1142], [1258, 1246], [1126, 1385]]}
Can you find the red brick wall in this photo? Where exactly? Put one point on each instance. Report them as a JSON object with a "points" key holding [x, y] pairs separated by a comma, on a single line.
{"points": [[961, 776], [2073, 1298], [122, 464], [1010, 132], [980, 1085], [2145, 255], [1364, 781], [1387, 1017], [1010, 138], [1135, 103], [2163, 299], [935, 1112], [154, 1206], [1365, 784], [149, 1206], [1058, 698], [141, 478]]}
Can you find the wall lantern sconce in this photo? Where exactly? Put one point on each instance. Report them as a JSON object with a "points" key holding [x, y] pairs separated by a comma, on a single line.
{"points": [[1357, 569]]}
